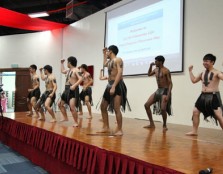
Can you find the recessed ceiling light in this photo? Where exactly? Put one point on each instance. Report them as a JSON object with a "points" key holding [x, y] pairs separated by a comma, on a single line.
{"points": [[39, 14]]}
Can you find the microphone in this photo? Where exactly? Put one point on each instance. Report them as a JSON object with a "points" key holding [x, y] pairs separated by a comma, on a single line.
{"points": [[206, 171]]}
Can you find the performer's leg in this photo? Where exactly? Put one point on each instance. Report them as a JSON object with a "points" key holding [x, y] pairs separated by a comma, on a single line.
{"points": [[29, 107], [87, 102], [163, 112], [63, 110], [73, 111], [42, 115], [104, 113], [33, 103], [117, 105], [80, 105], [196, 121], [49, 109], [147, 105], [218, 114], [80, 109]]}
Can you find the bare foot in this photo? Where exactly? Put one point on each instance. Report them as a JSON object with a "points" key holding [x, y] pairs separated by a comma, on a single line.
{"points": [[41, 119], [64, 119], [104, 130], [53, 120], [75, 125], [118, 133], [165, 129], [191, 133], [80, 113], [149, 127], [29, 114], [89, 117], [36, 116]]}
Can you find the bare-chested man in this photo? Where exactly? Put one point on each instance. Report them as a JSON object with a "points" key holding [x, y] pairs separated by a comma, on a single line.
{"points": [[34, 92], [48, 97], [86, 93], [70, 95], [209, 101], [162, 97], [115, 94]]}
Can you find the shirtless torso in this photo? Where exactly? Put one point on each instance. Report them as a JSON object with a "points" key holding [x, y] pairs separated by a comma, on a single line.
{"points": [[72, 76], [50, 82], [35, 81], [87, 80]]}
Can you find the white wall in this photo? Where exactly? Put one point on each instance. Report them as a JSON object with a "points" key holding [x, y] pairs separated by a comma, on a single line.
{"points": [[203, 33], [40, 48]]}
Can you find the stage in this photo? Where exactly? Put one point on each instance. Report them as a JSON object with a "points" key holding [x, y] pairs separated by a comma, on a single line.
{"points": [[61, 148]]}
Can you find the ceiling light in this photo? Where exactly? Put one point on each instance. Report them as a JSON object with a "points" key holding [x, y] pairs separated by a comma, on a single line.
{"points": [[39, 14]]}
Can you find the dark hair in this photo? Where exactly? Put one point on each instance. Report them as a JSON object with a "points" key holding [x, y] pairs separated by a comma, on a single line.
{"points": [[72, 60], [210, 57], [33, 67], [84, 66], [160, 58], [114, 49], [48, 68]]}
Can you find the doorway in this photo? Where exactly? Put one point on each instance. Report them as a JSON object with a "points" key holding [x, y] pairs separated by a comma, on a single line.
{"points": [[17, 82], [7, 80]]}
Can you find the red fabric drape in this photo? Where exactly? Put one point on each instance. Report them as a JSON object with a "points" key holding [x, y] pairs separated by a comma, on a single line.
{"points": [[58, 154], [14, 19]]}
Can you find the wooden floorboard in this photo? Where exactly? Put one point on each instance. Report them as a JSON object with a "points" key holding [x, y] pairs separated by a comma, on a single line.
{"points": [[171, 149]]}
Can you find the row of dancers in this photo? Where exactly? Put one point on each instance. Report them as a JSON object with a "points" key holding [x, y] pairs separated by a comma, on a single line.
{"points": [[115, 95]]}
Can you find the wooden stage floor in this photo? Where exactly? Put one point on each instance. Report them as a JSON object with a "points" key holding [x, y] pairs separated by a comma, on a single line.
{"points": [[172, 149]]}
